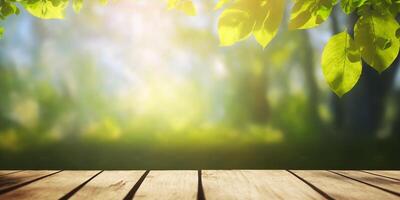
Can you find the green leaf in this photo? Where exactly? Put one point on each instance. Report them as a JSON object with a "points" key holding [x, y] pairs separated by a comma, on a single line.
{"points": [[77, 5], [222, 3], [234, 25], [348, 6], [243, 17], [341, 63], [1, 32], [310, 13], [268, 21], [46, 9], [375, 34], [103, 2], [8, 8]]}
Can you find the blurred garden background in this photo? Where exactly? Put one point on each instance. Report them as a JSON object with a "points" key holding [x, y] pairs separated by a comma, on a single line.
{"points": [[132, 85]]}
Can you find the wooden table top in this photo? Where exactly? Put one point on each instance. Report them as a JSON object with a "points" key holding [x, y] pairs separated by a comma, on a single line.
{"points": [[204, 184]]}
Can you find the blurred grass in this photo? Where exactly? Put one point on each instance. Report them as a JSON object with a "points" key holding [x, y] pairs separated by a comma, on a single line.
{"points": [[222, 149]]}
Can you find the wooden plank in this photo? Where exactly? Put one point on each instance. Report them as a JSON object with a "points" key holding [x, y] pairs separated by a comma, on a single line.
{"points": [[52, 187], [169, 185], [382, 182], [109, 185], [5, 172], [11, 180], [339, 187], [255, 184], [390, 174]]}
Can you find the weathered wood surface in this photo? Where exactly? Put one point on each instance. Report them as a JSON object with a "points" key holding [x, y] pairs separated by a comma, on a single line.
{"points": [[5, 172], [388, 174], [245, 184], [378, 182], [12, 180], [169, 185], [109, 185], [51, 187], [340, 187], [205, 184]]}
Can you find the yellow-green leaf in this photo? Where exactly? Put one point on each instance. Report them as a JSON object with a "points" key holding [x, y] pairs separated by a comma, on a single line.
{"points": [[1, 32], [46, 9], [234, 25], [268, 21], [310, 13], [104, 2], [348, 6], [185, 6], [341, 63], [221, 3], [375, 33], [77, 5], [243, 17]]}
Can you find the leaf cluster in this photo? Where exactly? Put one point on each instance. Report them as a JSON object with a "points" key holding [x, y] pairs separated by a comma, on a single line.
{"points": [[44, 9], [376, 32]]}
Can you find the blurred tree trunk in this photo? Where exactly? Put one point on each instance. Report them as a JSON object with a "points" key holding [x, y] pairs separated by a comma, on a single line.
{"points": [[396, 122], [257, 98], [308, 65], [365, 106], [247, 101]]}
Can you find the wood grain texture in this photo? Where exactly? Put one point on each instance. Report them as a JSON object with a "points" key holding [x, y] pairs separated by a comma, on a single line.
{"points": [[216, 184], [382, 182], [5, 172], [255, 184], [391, 174], [339, 187], [13, 179], [169, 185], [52, 187], [109, 185]]}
